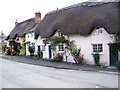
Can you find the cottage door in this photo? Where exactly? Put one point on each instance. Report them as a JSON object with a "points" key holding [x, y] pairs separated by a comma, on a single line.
{"points": [[50, 52], [113, 54], [38, 51]]}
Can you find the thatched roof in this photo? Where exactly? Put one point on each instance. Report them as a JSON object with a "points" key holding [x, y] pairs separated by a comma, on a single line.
{"points": [[22, 28], [80, 19]]}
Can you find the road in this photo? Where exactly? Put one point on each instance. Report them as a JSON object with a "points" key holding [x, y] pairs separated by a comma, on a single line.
{"points": [[20, 75]]}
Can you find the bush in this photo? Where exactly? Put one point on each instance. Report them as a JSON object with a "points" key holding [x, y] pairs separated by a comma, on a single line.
{"points": [[40, 54], [118, 65], [7, 51], [96, 57], [22, 51], [4, 47], [57, 58], [79, 59], [31, 50]]}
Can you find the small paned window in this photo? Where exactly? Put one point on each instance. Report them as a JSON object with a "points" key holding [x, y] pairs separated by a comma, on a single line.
{"points": [[60, 34], [100, 30], [61, 47], [97, 48]]}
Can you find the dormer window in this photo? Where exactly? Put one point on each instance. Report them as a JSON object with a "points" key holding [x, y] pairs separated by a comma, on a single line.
{"points": [[100, 30], [60, 34]]}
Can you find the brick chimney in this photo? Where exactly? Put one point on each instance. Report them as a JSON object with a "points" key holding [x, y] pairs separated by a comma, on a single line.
{"points": [[37, 17]]}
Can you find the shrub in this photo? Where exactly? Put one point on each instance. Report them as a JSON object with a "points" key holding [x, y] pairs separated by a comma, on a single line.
{"points": [[7, 51], [96, 57], [31, 50], [40, 54], [22, 51], [118, 65], [57, 58], [4, 47], [79, 59]]}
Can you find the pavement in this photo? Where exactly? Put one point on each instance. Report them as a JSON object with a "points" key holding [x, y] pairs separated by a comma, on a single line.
{"points": [[61, 65]]}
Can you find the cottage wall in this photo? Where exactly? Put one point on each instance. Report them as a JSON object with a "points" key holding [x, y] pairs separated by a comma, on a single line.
{"points": [[29, 38], [85, 43], [39, 42]]}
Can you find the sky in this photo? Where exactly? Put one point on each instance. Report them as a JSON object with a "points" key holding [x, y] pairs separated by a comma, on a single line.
{"points": [[10, 10]]}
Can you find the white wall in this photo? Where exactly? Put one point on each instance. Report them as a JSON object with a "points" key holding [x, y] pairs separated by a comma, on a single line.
{"points": [[85, 43], [39, 42], [29, 38]]}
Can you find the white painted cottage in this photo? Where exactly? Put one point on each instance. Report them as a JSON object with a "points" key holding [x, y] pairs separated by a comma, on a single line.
{"points": [[25, 29], [30, 35], [91, 25]]}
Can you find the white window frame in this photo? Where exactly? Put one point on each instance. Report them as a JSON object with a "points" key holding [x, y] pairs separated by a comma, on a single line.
{"points": [[98, 49], [61, 47], [100, 31]]}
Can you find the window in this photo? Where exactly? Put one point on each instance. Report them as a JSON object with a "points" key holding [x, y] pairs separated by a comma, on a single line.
{"points": [[97, 48], [60, 34], [100, 30], [61, 47]]}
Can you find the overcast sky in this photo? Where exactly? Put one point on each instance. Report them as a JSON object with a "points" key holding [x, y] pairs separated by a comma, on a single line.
{"points": [[10, 10]]}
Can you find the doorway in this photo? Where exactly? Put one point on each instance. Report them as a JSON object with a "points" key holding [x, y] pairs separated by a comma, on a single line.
{"points": [[113, 54]]}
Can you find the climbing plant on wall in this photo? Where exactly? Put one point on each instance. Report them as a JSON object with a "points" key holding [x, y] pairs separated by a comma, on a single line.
{"points": [[23, 49], [75, 52], [117, 40]]}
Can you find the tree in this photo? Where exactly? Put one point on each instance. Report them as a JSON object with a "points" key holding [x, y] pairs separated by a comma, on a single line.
{"points": [[23, 49]]}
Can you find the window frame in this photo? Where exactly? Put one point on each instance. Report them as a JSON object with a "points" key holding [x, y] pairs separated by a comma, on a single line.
{"points": [[97, 48], [61, 47], [100, 31]]}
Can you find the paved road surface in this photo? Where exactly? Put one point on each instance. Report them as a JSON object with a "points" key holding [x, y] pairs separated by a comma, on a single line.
{"points": [[19, 75]]}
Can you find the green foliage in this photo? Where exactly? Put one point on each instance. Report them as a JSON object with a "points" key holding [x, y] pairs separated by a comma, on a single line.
{"points": [[7, 51], [117, 37], [4, 47], [0, 51], [96, 57], [57, 40], [15, 47], [31, 50], [78, 58], [118, 65], [40, 54], [117, 40], [23, 49]]}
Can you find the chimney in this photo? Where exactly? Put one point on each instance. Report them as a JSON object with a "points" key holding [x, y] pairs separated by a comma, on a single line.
{"points": [[16, 22], [37, 17]]}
